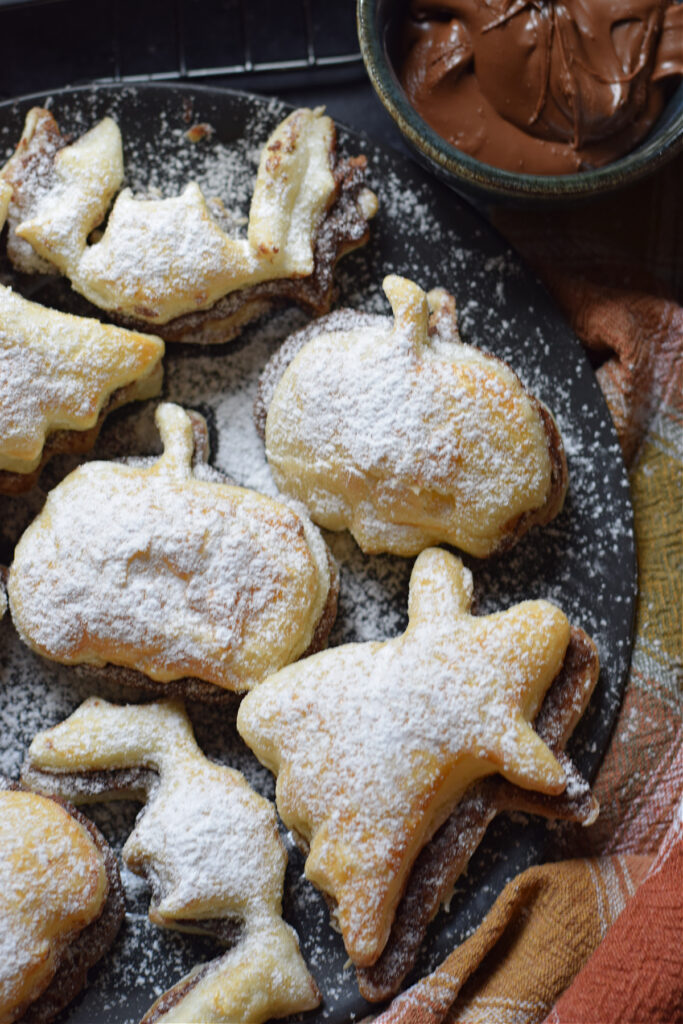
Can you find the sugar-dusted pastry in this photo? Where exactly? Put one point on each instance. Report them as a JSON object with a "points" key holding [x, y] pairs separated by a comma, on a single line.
{"points": [[159, 260], [397, 431], [375, 744], [444, 859], [208, 844], [59, 377], [5, 196], [61, 903], [167, 571], [61, 190]]}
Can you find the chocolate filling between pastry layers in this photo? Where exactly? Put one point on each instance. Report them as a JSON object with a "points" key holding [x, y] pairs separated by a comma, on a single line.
{"points": [[178, 992], [447, 854], [86, 947]]}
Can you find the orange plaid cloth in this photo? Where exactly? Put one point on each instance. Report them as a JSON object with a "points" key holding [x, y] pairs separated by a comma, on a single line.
{"points": [[597, 935]]}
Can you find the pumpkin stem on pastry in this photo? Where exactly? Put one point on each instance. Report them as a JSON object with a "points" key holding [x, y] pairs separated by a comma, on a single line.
{"points": [[443, 577], [177, 436], [409, 305]]}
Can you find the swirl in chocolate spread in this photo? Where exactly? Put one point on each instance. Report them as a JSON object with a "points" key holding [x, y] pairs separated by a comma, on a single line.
{"points": [[541, 86]]}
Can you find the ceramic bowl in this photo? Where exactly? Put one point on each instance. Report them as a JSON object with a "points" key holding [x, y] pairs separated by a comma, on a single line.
{"points": [[378, 22]]}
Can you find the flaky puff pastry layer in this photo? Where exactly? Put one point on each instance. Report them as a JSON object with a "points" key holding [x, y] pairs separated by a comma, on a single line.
{"points": [[399, 432], [57, 372], [374, 744], [166, 570], [53, 883]]}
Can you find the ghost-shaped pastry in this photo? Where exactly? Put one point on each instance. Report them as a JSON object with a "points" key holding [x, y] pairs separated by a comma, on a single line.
{"points": [[373, 744], [206, 841], [399, 432], [445, 858], [165, 570]]}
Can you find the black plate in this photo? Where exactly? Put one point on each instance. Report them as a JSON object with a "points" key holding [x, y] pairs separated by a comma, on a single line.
{"points": [[584, 561]]}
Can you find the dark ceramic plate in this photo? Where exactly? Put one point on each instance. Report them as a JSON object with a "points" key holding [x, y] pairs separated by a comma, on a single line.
{"points": [[584, 561]]}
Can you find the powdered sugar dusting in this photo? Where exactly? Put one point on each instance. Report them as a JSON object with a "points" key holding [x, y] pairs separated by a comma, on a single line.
{"points": [[364, 737], [208, 842], [582, 561], [52, 880], [201, 579], [57, 372], [397, 435]]}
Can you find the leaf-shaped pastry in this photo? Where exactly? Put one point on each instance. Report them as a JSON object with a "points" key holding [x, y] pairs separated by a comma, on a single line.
{"points": [[168, 571], [374, 744], [58, 373], [208, 844], [399, 432]]}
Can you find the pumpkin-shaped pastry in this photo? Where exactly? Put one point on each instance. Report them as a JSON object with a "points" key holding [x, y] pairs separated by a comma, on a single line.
{"points": [[399, 432], [167, 572]]}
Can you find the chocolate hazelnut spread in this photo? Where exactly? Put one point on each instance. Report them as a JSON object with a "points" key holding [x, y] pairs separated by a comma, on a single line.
{"points": [[541, 86]]}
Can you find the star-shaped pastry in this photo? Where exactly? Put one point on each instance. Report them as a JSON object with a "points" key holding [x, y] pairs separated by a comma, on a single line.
{"points": [[374, 744], [58, 372], [207, 842]]}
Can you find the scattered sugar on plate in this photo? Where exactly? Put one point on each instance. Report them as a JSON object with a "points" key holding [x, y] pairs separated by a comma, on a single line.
{"points": [[581, 560]]}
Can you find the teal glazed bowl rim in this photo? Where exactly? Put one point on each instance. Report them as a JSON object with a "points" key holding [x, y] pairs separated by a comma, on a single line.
{"points": [[465, 173]]}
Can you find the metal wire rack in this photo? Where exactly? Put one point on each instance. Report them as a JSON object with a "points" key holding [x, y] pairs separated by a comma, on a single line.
{"points": [[51, 43]]}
